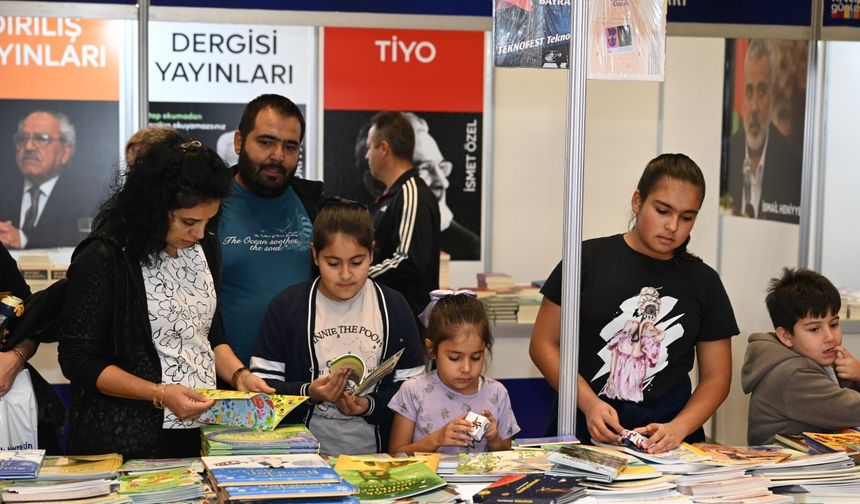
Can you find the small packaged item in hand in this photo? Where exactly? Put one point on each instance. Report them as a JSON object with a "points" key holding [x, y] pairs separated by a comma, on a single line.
{"points": [[634, 440], [479, 423]]}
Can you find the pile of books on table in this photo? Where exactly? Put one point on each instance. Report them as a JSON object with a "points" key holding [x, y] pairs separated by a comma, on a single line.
{"points": [[162, 480], [84, 478], [220, 440], [248, 478]]}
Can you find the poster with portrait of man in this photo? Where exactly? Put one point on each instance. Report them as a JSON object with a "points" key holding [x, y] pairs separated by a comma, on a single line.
{"points": [[59, 140], [435, 78], [763, 123]]}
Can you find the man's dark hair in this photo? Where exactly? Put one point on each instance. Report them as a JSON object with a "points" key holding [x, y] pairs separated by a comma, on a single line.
{"points": [[393, 128], [280, 104], [800, 293]]}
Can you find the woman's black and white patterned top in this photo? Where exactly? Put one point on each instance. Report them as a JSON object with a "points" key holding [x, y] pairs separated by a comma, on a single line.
{"points": [[181, 300]]}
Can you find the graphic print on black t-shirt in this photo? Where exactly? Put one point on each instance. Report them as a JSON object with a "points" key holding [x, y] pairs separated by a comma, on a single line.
{"points": [[637, 341]]}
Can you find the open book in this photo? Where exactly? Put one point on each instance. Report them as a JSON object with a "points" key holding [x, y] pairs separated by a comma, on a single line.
{"points": [[254, 410], [358, 373]]}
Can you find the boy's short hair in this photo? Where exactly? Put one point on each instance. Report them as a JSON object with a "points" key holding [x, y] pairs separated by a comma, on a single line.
{"points": [[800, 293]]}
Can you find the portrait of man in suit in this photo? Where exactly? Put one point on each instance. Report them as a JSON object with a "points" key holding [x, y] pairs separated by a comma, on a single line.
{"points": [[764, 166], [45, 206]]}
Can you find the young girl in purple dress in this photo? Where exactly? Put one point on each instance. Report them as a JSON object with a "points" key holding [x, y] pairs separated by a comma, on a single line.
{"points": [[430, 410]]}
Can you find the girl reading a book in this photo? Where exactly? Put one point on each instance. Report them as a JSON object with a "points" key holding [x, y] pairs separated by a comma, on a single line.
{"points": [[648, 308], [311, 324], [430, 410], [140, 327]]}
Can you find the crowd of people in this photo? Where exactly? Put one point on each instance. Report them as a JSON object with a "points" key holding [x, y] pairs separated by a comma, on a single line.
{"points": [[199, 275]]}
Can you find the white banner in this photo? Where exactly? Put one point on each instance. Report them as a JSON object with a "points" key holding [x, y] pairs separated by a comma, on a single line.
{"points": [[212, 63]]}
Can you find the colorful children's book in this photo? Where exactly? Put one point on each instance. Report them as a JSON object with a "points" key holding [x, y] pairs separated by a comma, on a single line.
{"points": [[16, 464], [388, 478], [80, 467], [270, 469], [837, 441], [253, 410], [800, 443], [530, 489], [363, 378], [226, 440], [735, 455]]}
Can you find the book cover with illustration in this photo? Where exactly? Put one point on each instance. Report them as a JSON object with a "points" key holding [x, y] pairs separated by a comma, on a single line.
{"points": [[80, 467], [362, 378], [157, 481], [741, 455], [531, 489], [226, 440], [836, 441], [253, 410], [16, 464], [380, 478], [270, 469], [589, 460], [489, 466]]}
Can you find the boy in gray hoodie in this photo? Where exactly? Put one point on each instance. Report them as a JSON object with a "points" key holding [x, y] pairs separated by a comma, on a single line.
{"points": [[800, 376]]}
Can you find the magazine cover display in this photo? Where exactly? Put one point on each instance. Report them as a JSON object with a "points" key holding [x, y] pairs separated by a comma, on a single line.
{"points": [[531, 33], [627, 39], [253, 410]]}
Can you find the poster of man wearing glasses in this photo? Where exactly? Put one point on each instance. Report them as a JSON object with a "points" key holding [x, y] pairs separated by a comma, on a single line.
{"points": [[447, 156], [58, 159]]}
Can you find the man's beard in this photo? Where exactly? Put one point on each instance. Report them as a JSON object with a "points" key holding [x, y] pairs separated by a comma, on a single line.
{"points": [[259, 184]]}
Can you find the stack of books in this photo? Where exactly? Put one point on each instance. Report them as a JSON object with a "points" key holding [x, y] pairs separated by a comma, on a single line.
{"points": [[495, 281], [168, 485], [265, 477], [813, 443], [219, 440], [501, 308]]}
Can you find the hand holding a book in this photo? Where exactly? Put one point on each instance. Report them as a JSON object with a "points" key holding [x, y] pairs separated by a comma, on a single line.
{"points": [[351, 405], [454, 433], [184, 402], [249, 382], [846, 366], [329, 388], [663, 436]]}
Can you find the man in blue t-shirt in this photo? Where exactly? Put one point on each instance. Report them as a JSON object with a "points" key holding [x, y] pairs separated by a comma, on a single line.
{"points": [[266, 222]]}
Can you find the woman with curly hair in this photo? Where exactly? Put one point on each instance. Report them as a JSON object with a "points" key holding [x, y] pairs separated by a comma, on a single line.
{"points": [[140, 325]]}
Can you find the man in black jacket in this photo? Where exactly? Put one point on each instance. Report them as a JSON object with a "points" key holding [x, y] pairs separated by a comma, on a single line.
{"points": [[266, 222], [406, 218]]}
